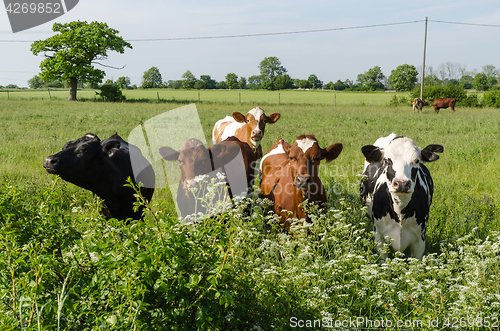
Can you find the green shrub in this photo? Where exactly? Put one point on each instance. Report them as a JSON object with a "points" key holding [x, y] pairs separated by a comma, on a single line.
{"points": [[66, 269], [401, 101], [470, 101], [491, 99], [433, 92], [111, 93]]}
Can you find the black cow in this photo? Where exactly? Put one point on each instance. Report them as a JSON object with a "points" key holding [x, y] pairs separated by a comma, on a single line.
{"points": [[397, 189], [103, 168]]}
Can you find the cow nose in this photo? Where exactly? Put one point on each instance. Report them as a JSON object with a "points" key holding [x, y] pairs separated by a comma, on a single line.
{"points": [[188, 183], [303, 182], [50, 161], [257, 134], [401, 185]]}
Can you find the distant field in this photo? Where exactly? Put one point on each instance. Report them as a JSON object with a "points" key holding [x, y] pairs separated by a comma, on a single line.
{"points": [[227, 96]]}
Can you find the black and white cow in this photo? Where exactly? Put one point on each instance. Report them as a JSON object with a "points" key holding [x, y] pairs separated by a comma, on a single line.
{"points": [[103, 168], [397, 188]]}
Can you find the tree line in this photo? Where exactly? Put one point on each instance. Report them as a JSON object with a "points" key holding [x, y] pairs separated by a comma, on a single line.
{"points": [[70, 58], [274, 76]]}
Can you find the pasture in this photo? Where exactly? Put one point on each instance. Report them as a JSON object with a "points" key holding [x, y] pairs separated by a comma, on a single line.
{"points": [[66, 267], [258, 97]]}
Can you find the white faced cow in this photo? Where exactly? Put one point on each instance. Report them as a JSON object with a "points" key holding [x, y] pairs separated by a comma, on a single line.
{"points": [[248, 129], [397, 189]]}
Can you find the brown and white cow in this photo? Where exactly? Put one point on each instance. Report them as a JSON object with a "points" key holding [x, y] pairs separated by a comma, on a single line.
{"points": [[248, 129], [290, 175], [444, 103], [419, 104], [231, 157]]}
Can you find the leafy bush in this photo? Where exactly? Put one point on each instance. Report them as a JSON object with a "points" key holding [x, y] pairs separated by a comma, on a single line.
{"points": [[401, 101], [71, 269], [111, 93], [470, 101], [492, 99], [433, 92]]}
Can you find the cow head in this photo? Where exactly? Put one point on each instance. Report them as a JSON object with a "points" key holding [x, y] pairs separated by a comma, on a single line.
{"points": [[255, 122], [193, 158], [425, 103], [401, 160], [304, 158], [80, 161]]}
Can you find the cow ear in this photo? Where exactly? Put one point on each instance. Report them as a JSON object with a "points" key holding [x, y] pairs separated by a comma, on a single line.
{"points": [[273, 118], [110, 145], [286, 146], [168, 153], [372, 153], [218, 151], [428, 155], [239, 117], [331, 152]]}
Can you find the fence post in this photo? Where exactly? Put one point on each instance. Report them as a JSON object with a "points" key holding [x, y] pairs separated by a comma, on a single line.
{"points": [[48, 89], [396, 100], [158, 96], [8, 96], [198, 97], [335, 99], [240, 97], [279, 99]]}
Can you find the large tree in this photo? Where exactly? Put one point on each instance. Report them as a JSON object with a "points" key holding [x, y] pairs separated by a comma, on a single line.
{"points": [[314, 81], [188, 80], [209, 83], [270, 68], [372, 79], [71, 54], [404, 77], [232, 80], [152, 78]]}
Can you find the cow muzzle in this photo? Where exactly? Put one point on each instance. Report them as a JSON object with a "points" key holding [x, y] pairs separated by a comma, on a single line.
{"points": [[256, 135], [401, 186], [189, 183], [303, 182], [50, 164]]}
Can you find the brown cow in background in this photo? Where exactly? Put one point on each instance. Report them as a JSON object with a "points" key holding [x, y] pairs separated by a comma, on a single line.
{"points": [[444, 103], [419, 104]]}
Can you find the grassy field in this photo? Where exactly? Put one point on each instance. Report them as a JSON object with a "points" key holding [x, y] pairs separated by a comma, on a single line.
{"points": [[261, 280], [260, 97]]}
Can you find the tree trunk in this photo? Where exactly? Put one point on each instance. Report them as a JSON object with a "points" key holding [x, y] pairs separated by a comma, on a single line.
{"points": [[73, 82]]}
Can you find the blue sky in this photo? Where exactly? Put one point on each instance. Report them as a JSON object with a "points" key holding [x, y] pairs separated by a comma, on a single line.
{"points": [[332, 55]]}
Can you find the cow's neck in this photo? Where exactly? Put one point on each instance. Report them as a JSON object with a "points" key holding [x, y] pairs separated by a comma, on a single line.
{"points": [[401, 203], [254, 144]]}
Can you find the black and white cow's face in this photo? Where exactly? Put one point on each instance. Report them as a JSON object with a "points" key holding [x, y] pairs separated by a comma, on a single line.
{"points": [[401, 160]]}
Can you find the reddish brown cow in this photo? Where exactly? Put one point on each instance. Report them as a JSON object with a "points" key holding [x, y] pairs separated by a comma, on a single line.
{"points": [[230, 157], [444, 103], [419, 104], [290, 175], [248, 129]]}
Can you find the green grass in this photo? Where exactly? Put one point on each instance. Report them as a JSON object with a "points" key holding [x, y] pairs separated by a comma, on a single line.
{"points": [[117, 275], [258, 97]]}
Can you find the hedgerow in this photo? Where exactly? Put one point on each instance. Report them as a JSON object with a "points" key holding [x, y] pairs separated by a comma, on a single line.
{"points": [[72, 269]]}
